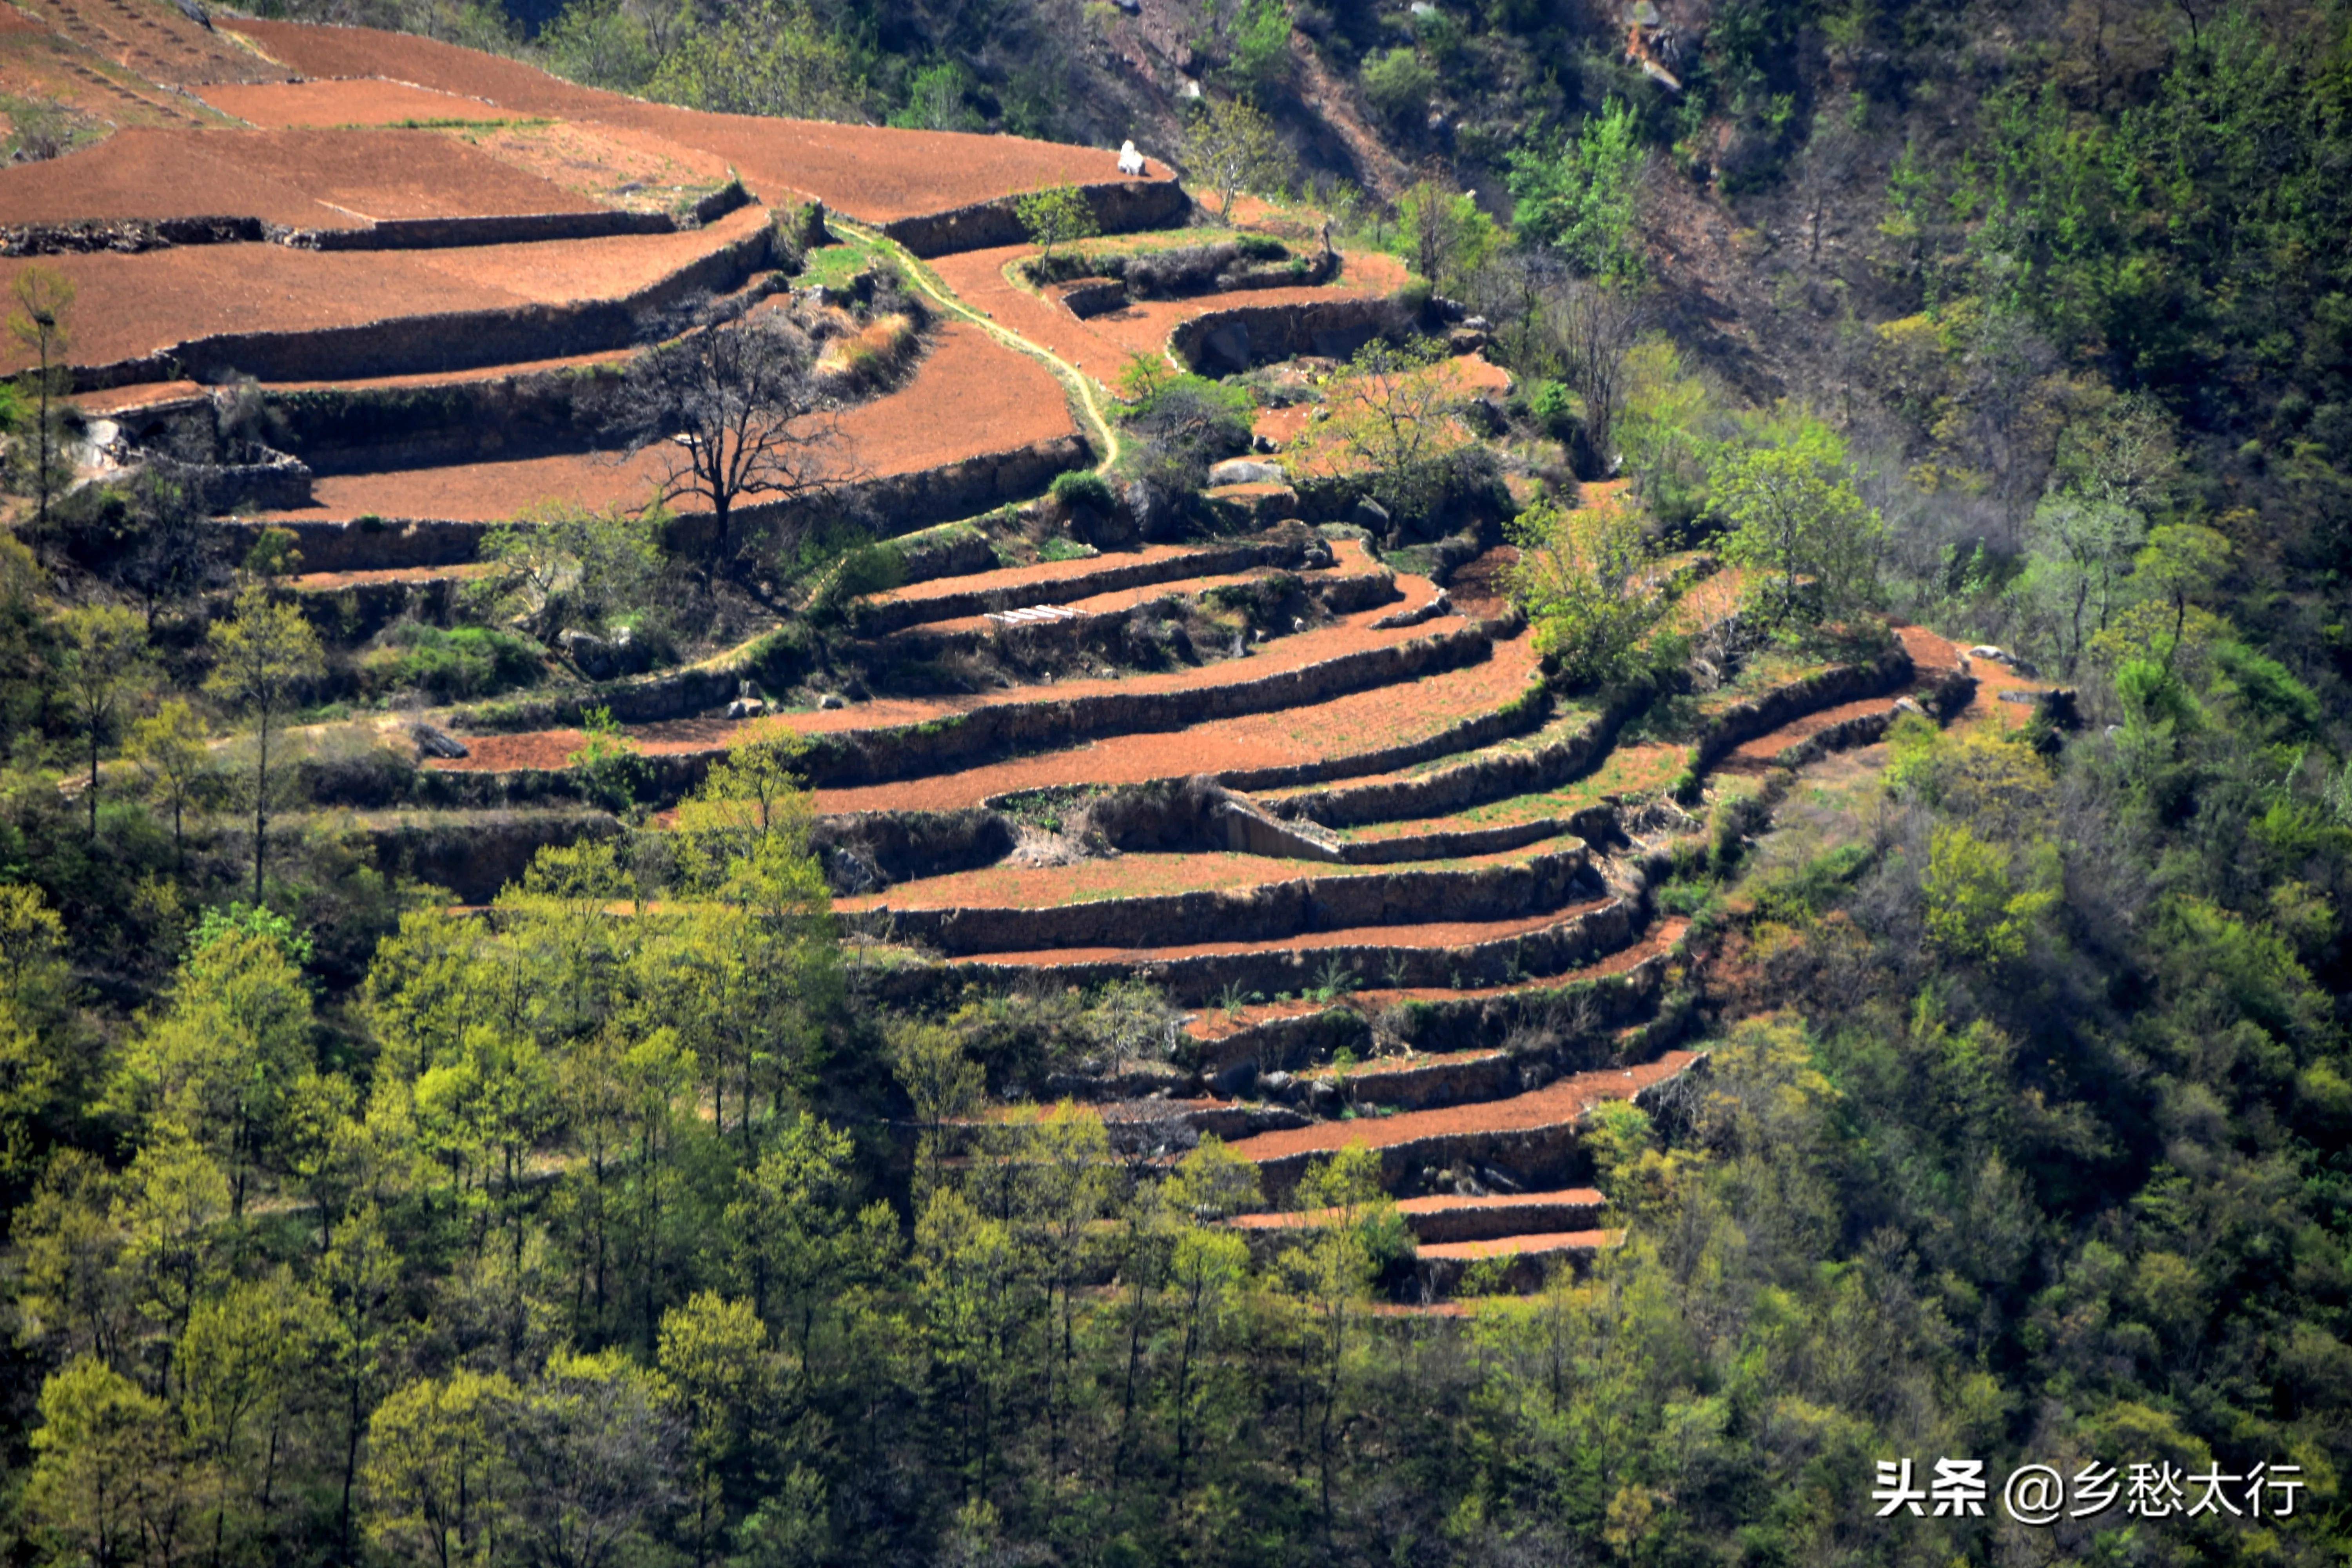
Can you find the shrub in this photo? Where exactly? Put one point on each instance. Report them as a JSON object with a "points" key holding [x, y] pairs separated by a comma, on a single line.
{"points": [[1399, 82], [1082, 487], [469, 661]]}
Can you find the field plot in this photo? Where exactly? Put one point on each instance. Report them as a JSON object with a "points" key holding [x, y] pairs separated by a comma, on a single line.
{"points": [[301, 178], [131, 306], [874, 174], [970, 398], [1102, 345]]}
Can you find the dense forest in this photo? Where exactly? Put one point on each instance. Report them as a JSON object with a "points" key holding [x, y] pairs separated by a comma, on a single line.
{"points": [[343, 1226]]}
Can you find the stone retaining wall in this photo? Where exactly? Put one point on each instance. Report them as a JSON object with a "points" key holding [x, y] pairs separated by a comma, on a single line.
{"points": [[1119, 206], [880, 755], [1269, 912], [879, 618], [1198, 982], [475, 859], [1737, 725], [1235, 339]]}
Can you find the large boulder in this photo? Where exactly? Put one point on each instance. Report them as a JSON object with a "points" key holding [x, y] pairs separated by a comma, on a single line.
{"points": [[1245, 472]]}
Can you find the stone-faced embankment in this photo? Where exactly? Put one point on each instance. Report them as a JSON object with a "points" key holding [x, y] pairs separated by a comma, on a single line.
{"points": [[1269, 912], [1200, 980], [1119, 206]]}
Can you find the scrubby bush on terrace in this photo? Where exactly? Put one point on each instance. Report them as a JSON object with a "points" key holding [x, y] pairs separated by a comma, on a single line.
{"points": [[451, 663], [1179, 424]]}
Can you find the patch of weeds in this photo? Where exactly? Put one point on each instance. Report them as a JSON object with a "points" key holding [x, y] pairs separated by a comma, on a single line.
{"points": [[1803, 892], [469, 661], [1060, 548], [1688, 896]]}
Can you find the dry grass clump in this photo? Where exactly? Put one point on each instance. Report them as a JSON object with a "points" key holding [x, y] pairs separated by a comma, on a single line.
{"points": [[872, 354]]}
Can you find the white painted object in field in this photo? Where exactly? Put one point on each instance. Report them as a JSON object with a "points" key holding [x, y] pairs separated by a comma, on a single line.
{"points": [[1130, 161]]}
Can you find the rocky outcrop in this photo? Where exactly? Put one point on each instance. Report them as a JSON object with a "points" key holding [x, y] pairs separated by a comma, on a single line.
{"points": [[1221, 343]]}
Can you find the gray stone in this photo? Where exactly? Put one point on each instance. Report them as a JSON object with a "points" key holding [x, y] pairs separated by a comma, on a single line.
{"points": [[746, 707], [1276, 1084], [1243, 471], [831, 700], [1235, 1081], [591, 653], [432, 740], [1370, 515]]}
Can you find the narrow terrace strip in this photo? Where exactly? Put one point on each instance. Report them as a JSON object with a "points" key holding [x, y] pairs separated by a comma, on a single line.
{"points": [[1627, 773], [1119, 601], [1357, 654], [1442, 1219], [1102, 345], [1560, 1104], [1219, 1025], [1119, 901], [1329, 739], [1543, 1244], [1055, 581]]}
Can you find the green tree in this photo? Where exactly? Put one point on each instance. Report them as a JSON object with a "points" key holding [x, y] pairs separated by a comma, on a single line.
{"points": [[217, 1065], [441, 1481], [106, 669], [43, 298], [169, 747], [1975, 913], [244, 1365], [722, 1379], [1055, 217], [939, 99], [598, 1452], [105, 1486], [559, 566], [773, 57], [1444, 235], [2079, 549], [1578, 579], [1230, 147], [1398, 85], [1391, 413], [36, 1031], [1580, 195], [2182, 561], [1795, 513], [1357, 1232], [262, 661]]}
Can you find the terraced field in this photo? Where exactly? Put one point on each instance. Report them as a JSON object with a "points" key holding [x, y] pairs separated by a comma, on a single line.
{"points": [[1399, 893]]}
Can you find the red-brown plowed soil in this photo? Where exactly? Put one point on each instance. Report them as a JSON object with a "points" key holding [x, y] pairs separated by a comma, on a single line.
{"points": [[1564, 1100], [1930, 654], [1041, 576], [970, 397], [365, 101], [1626, 772], [1216, 1023], [1755, 756], [498, 753], [153, 38], [145, 395], [1123, 599], [1434, 1203], [1431, 933], [1507, 1246], [306, 179], [1318, 732], [1482, 587], [1102, 345], [451, 377], [1139, 875], [129, 306], [871, 173]]}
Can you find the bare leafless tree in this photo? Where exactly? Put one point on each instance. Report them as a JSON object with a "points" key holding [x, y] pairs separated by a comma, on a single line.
{"points": [[737, 414], [1593, 327]]}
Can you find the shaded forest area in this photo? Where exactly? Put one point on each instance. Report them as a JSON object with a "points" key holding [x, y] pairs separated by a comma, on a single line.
{"points": [[348, 1229]]}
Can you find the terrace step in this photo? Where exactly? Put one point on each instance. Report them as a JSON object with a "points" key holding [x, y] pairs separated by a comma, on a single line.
{"points": [[1534, 1136], [1453, 955], [895, 740], [1293, 1036], [1442, 1219], [1441, 1268], [1063, 582], [1262, 901]]}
